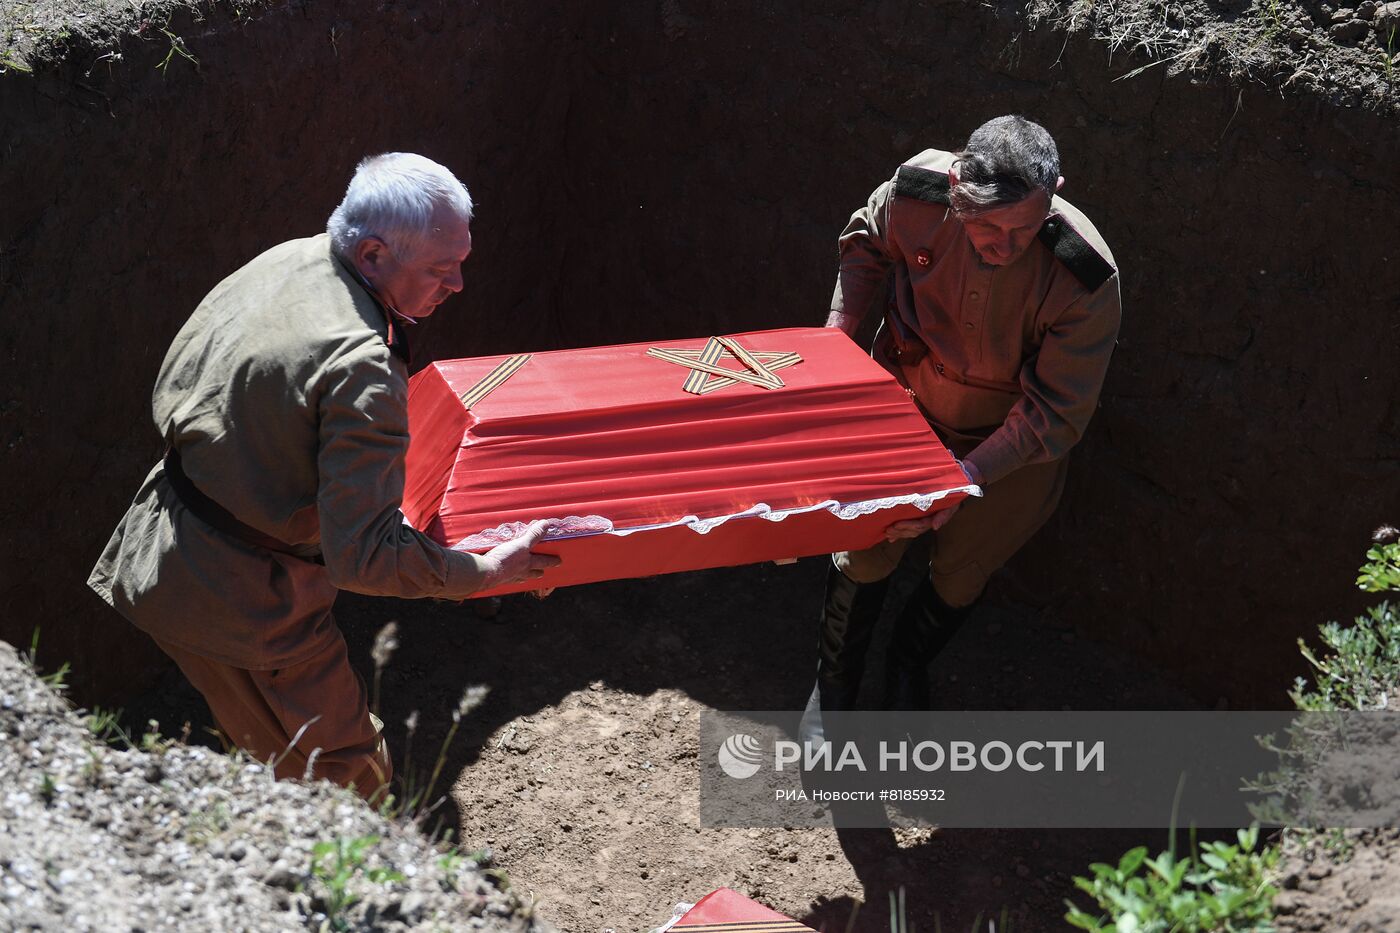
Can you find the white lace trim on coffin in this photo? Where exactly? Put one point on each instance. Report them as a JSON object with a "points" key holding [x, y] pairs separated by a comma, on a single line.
{"points": [[582, 526], [556, 529]]}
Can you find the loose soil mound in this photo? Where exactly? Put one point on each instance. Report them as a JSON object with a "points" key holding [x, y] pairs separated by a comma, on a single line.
{"points": [[1344, 52], [97, 839], [580, 770], [42, 34], [1341, 881]]}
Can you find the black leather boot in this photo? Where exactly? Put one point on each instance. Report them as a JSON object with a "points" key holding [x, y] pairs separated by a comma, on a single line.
{"points": [[922, 629], [849, 614]]}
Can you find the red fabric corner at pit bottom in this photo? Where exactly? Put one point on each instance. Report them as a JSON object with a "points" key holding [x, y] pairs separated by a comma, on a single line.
{"points": [[608, 432], [726, 911]]}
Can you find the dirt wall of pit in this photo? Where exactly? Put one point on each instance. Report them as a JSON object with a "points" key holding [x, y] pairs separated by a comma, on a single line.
{"points": [[680, 169]]}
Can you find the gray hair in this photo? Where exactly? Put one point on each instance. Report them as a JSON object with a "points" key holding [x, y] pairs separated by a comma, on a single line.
{"points": [[1005, 160], [392, 198]]}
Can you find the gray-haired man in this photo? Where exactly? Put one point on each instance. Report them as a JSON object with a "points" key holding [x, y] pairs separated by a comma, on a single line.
{"points": [[283, 404], [1003, 309]]}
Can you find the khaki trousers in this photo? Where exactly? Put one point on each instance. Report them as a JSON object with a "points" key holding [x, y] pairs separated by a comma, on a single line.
{"points": [[264, 712], [979, 538]]}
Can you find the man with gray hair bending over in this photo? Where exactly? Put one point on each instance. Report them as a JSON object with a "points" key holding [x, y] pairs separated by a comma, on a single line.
{"points": [[1002, 312], [283, 404]]}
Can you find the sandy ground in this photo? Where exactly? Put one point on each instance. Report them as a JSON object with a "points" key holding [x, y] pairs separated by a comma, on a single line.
{"points": [[580, 770], [1341, 881]]}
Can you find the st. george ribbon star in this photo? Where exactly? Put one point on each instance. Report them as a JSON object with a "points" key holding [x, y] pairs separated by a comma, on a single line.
{"points": [[706, 375]]}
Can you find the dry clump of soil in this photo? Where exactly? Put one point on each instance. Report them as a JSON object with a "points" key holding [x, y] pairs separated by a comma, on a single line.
{"points": [[97, 838], [1342, 880], [1344, 51]]}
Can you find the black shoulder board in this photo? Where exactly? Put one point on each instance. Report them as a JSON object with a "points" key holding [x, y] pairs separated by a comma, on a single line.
{"points": [[1091, 269], [921, 183]]}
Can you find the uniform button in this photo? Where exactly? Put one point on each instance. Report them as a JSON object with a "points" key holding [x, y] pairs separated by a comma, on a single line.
{"points": [[974, 295], [969, 325], [923, 257]]}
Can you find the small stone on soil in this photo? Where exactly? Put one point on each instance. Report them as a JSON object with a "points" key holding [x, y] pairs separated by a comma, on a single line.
{"points": [[1353, 31]]}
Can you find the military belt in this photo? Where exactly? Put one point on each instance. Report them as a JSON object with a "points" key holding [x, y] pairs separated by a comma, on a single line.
{"points": [[218, 517]]}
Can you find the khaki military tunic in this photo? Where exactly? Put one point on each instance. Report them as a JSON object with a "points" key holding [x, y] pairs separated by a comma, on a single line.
{"points": [[289, 410], [1013, 357]]}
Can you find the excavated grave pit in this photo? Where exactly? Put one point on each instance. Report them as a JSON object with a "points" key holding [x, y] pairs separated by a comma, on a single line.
{"points": [[677, 169], [671, 170]]}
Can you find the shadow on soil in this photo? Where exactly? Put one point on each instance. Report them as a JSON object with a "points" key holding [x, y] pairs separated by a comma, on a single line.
{"points": [[742, 638]]}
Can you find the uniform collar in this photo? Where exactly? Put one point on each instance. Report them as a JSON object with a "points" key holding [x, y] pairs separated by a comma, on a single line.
{"points": [[394, 320]]}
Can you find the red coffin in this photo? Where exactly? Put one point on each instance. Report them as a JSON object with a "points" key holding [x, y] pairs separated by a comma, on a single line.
{"points": [[726, 911], [640, 477]]}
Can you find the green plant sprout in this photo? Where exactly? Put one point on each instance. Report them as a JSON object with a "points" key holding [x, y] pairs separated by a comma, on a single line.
{"points": [[1216, 886], [177, 47], [334, 865]]}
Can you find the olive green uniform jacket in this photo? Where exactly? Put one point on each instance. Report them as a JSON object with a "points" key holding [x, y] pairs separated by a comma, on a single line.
{"points": [[289, 410], [1017, 353]]}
